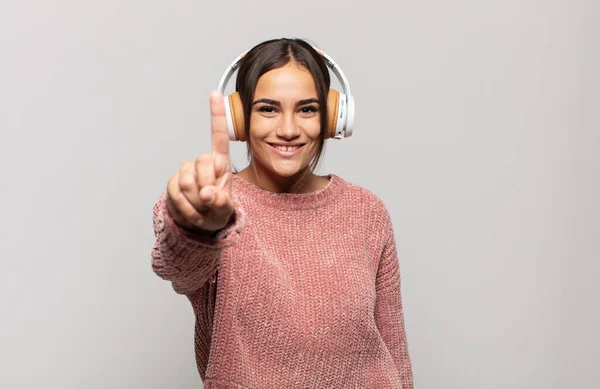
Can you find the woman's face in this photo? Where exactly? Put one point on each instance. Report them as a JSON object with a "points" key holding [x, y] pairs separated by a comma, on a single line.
{"points": [[285, 121]]}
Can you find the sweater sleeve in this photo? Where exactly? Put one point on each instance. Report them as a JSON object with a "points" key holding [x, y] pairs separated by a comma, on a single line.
{"points": [[186, 259], [389, 315]]}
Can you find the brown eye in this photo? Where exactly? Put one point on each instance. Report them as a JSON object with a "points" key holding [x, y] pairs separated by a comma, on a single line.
{"points": [[309, 109], [267, 109]]}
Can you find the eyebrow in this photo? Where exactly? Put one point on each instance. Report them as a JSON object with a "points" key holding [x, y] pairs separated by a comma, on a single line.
{"points": [[275, 102]]}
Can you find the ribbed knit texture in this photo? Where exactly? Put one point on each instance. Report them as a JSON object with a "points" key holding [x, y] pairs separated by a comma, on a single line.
{"points": [[299, 291]]}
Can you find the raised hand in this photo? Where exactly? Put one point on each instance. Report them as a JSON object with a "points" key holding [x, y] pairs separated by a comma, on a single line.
{"points": [[199, 193]]}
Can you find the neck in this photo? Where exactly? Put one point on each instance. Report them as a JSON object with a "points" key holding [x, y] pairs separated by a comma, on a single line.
{"points": [[302, 182]]}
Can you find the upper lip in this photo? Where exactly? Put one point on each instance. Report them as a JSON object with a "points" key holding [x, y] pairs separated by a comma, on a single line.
{"points": [[286, 144]]}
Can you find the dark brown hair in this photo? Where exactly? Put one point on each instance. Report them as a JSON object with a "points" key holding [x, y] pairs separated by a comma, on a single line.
{"points": [[276, 53]]}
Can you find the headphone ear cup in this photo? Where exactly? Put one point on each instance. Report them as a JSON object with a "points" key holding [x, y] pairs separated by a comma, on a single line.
{"points": [[234, 111], [333, 108]]}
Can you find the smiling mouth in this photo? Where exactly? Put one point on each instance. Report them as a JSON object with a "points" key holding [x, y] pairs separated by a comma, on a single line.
{"points": [[285, 148]]}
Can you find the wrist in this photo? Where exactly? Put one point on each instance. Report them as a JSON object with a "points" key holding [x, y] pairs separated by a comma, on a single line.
{"points": [[207, 233]]}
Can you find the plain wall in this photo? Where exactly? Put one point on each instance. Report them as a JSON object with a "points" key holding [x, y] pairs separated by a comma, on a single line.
{"points": [[477, 123]]}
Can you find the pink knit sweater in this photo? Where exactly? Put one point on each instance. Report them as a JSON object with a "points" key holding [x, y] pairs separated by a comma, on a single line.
{"points": [[299, 291]]}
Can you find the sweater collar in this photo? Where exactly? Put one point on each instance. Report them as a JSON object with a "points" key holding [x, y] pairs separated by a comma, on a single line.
{"points": [[289, 201]]}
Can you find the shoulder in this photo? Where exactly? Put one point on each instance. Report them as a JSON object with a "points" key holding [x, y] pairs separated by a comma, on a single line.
{"points": [[364, 198], [359, 192], [365, 206]]}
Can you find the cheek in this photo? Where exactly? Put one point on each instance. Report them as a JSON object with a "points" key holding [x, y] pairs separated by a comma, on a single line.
{"points": [[313, 128], [260, 127]]}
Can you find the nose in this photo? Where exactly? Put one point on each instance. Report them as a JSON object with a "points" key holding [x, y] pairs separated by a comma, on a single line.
{"points": [[288, 130]]}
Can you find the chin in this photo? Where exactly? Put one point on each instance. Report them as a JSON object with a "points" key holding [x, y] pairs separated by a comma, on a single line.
{"points": [[287, 171]]}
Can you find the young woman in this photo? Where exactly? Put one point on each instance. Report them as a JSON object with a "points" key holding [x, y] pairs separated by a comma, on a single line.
{"points": [[293, 277]]}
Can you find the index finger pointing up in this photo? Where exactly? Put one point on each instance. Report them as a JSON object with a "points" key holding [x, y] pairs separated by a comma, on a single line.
{"points": [[218, 122]]}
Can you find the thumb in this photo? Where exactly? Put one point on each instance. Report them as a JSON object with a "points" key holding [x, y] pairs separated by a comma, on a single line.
{"points": [[223, 203], [218, 197], [223, 183]]}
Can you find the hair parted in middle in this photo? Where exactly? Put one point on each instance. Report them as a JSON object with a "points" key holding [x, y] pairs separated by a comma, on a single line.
{"points": [[274, 54]]}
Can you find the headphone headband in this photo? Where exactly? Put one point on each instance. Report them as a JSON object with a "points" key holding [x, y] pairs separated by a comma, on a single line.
{"points": [[331, 64]]}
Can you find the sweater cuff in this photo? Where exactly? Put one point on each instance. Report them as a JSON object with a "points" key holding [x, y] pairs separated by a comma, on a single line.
{"points": [[227, 236]]}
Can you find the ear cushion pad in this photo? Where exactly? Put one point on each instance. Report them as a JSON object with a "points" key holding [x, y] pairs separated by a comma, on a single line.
{"points": [[237, 114], [333, 106]]}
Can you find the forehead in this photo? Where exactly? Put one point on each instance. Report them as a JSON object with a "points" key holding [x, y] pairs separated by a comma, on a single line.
{"points": [[291, 81]]}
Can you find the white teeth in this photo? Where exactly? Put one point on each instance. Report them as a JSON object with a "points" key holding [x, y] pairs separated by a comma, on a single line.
{"points": [[286, 148]]}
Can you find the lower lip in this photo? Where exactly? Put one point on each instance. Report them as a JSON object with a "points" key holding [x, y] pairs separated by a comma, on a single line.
{"points": [[286, 153]]}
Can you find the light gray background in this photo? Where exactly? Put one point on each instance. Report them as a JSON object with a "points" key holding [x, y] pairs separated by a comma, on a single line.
{"points": [[477, 124]]}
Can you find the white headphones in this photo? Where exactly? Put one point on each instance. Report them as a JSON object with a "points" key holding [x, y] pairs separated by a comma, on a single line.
{"points": [[340, 106]]}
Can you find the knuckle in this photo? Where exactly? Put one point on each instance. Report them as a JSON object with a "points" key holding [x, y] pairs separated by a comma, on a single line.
{"points": [[187, 182], [170, 184], [178, 198], [186, 166], [172, 187], [204, 158]]}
